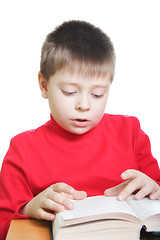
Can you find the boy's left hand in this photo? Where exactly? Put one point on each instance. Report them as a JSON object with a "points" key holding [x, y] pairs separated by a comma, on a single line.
{"points": [[135, 182]]}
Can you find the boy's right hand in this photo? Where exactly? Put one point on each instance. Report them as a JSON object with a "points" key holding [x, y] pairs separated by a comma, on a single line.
{"points": [[52, 200]]}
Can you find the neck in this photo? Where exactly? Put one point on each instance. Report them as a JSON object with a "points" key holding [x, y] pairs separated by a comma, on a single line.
{"points": [[61, 132]]}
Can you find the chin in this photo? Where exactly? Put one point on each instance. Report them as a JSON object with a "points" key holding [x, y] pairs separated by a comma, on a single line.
{"points": [[80, 131]]}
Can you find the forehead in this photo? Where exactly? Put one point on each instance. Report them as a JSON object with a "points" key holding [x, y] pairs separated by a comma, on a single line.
{"points": [[65, 77], [82, 66]]}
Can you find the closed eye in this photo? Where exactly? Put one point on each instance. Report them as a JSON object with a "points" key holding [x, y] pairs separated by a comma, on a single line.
{"points": [[68, 93], [97, 95]]}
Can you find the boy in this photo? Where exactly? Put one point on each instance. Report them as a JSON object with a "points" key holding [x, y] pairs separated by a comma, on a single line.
{"points": [[81, 151]]}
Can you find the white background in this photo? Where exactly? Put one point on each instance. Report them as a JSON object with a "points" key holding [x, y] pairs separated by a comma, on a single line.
{"points": [[134, 27]]}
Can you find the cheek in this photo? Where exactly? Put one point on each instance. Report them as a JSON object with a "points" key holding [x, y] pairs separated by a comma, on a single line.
{"points": [[66, 103], [100, 105], [98, 111], [61, 106]]}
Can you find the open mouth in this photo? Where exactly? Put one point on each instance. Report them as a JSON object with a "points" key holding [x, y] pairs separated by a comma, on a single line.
{"points": [[79, 122]]}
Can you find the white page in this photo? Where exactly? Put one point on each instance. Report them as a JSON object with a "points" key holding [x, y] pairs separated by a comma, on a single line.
{"points": [[96, 205], [145, 207]]}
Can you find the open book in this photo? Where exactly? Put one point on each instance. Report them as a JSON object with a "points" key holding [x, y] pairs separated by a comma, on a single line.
{"points": [[106, 218]]}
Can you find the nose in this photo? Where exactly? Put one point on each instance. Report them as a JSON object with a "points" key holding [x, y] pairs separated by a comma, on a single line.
{"points": [[82, 103]]}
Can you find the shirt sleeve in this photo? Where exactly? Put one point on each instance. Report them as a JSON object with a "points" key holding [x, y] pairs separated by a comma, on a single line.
{"points": [[15, 189], [143, 155]]}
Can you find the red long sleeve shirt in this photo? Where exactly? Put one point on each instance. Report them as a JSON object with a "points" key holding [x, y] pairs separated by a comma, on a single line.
{"points": [[91, 162]]}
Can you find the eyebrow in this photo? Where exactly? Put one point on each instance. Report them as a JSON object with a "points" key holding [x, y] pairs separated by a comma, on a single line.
{"points": [[101, 86], [66, 83], [94, 86]]}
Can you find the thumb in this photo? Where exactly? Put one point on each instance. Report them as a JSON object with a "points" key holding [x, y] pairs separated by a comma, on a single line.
{"points": [[114, 191], [129, 174]]}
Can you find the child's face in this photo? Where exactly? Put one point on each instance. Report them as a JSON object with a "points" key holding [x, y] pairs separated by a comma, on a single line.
{"points": [[77, 103]]}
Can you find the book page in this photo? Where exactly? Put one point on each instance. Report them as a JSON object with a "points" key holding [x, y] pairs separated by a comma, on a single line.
{"points": [[145, 207], [96, 205]]}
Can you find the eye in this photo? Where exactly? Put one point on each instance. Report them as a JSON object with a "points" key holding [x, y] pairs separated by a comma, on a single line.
{"points": [[97, 95], [68, 93]]}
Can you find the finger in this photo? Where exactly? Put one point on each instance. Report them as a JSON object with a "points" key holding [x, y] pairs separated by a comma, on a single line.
{"points": [[66, 195], [145, 190], [59, 199], [53, 206], [129, 174], [79, 195], [42, 214], [131, 187], [114, 191], [63, 187], [155, 195]]}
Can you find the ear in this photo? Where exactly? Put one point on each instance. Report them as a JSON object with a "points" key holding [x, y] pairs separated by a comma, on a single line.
{"points": [[43, 85]]}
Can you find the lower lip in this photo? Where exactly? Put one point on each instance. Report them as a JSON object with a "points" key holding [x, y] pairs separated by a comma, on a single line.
{"points": [[81, 123]]}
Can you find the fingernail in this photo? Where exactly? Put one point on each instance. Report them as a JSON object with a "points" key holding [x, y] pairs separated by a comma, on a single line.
{"points": [[152, 197], [123, 176], [71, 190], [60, 208], [120, 197], [70, 206], [138, 197], [52, 217]]}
